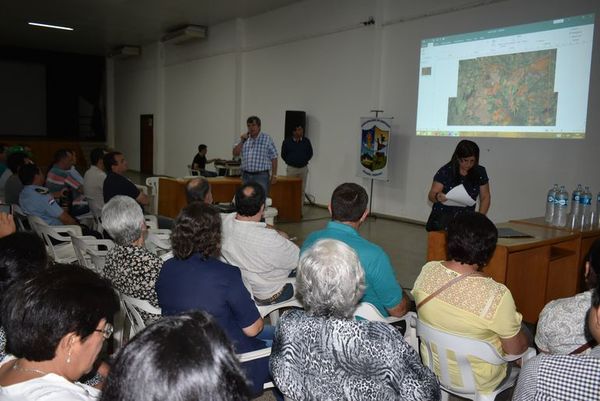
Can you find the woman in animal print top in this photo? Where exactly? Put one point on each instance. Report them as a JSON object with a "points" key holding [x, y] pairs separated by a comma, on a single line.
{"points": [[321, 353]]}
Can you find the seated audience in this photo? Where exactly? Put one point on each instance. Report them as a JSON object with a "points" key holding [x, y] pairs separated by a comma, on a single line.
{"points": [[14, 186], [199, 163], [56, 324], [195, 279], [59, 177], [473, 305], [132, 268], [264, 255], [561, 326], [565, 377], [184, 357], [198, 190], [116, 183], [348, 209], [93, 181], [322, 353], [35, 199]]}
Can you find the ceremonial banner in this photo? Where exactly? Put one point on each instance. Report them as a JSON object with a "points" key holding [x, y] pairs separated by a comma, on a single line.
{"points": [[374, 147]]}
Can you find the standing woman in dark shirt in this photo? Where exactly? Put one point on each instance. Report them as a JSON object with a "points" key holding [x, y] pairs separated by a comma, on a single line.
{"points": [[463, 169]]}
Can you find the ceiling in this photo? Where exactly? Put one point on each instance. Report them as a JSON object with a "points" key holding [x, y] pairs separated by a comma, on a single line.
{"points": [[102, 25]]}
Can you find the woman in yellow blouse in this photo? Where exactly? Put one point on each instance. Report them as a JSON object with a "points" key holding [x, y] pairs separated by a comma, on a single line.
{"points": [[475, 306]]}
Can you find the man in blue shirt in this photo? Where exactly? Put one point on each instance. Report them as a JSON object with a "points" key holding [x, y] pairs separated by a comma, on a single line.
{"points": [[38, 201], [348, 209], [259, 155]]}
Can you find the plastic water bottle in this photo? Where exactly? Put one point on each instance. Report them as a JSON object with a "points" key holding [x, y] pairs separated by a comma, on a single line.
{"points": [[585, 208], [596, 222], [550, 203], [561, 208], [575, 204]]}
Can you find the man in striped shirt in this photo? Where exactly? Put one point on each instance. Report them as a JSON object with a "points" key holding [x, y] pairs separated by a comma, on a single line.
{"points": [[59, 177]]}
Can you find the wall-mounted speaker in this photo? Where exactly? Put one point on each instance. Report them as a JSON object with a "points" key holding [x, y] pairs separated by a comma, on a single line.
{"points": [[294, 118]]}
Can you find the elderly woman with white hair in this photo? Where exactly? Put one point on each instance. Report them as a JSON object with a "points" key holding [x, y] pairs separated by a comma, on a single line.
{"points": [[322, 353], [132, 269]]}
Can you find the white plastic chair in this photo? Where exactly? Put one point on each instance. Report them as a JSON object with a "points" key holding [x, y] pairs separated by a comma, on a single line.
{"points": [[151, 221], [158, 241], [89, 254], [273, 310], [152, 184], [368, 311], [252, 355], [20, 217], [192, 172], [60, 253], [132, 307], [463, 347]]}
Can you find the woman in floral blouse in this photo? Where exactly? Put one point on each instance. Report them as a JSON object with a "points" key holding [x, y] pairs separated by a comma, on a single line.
{"points": [[132, 269]]}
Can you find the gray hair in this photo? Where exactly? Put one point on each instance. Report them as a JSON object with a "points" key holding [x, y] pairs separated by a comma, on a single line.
{"points": [[330, 279], [123, 218]]}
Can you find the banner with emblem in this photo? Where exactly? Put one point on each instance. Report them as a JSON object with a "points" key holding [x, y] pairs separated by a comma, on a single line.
{"points": [[374, 147]]}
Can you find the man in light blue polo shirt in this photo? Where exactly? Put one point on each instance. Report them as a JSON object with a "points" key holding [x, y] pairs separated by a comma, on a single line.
{"points": [[348, 209], [259, 155], [37, 200]]}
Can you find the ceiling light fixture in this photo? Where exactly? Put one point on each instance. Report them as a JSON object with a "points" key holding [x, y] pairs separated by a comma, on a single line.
{"points": [[64, 28]]}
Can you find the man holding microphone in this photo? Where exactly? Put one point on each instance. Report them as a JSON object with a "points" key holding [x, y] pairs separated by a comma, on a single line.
{"points": [[259, 155]]}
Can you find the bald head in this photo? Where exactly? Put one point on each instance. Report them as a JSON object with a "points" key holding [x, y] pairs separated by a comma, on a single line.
{"points": [[198, 190]]}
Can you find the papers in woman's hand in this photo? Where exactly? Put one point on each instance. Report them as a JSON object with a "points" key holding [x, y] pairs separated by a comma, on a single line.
{"points": [[458, 196]]}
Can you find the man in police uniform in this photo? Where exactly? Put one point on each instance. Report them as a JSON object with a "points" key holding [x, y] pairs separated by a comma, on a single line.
{"points": [[38, 201]]}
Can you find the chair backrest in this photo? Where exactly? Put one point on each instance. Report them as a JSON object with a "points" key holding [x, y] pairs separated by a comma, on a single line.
{"points": [[368, 311], [132, 307], [89, 254], [152, 183], [151, 221], [58, 241], [192, 172], [34, 223], [462, 348], [20, 218], [253, 355], [158, 241]]}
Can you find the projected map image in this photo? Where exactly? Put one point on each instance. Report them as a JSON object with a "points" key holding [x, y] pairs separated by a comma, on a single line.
{"points": [[507, 90]]}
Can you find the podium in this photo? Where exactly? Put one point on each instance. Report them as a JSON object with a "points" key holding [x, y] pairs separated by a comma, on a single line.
{"points": [[536, 270]]}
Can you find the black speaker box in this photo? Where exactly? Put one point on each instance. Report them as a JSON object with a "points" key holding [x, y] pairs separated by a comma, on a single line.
{"points": [[294, 118]]}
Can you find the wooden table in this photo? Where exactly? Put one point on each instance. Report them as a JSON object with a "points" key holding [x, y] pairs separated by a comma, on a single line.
{"points": [[285, 193], [536, 270], [587, 236]]}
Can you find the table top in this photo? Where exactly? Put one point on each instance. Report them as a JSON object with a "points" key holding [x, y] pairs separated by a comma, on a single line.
{"points": [[228, 180], [541, 222], [540, 236]]}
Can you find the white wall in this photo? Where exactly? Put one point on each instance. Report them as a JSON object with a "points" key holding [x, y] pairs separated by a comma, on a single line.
{"points": [[318, 57]]}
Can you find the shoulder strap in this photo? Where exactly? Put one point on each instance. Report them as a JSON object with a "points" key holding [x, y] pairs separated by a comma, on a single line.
{"points": [[581, 348], [444, 287]]}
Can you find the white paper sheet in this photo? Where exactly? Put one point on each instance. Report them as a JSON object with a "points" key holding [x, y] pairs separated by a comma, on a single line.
{"points": [[458, 196]]}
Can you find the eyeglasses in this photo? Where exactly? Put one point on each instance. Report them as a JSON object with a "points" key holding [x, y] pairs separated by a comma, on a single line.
{"points": [[107, 331]]}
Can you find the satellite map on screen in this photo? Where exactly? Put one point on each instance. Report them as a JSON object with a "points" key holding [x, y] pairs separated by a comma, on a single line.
{"points": [[507, 90]]}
